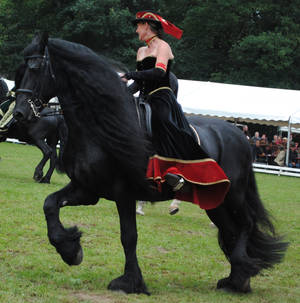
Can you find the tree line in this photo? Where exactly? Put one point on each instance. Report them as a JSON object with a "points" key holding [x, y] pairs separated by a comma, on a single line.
{"points": [[229, 41]]}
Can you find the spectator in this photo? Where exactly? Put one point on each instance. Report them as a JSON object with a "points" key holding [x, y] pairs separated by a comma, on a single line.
{"points": [[264, 137], [268, 150], [280, 158], [260, 156], [246, 132], [256, 137], [293, 156]]}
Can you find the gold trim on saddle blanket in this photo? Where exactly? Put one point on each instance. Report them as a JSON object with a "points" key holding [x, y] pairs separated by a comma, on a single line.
{"points": [[186, 161], [160, 88], [197, 136]]}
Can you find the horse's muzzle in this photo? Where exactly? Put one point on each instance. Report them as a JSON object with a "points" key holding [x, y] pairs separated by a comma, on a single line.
{"points": [[18, 115]]}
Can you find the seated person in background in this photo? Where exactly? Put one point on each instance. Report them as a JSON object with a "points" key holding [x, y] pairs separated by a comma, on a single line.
{"points": [[293, 156], [260, 156], [269, 154], [280, 158], [264, 137]]}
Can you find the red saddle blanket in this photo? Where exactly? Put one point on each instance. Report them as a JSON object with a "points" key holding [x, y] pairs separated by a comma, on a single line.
{"points": [[210, 184]]}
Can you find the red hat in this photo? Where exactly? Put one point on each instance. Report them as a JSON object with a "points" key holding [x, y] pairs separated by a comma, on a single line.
{"points": [[167, 26]]}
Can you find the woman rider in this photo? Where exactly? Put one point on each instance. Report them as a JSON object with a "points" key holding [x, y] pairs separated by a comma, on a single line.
{"points": [[173, 139]]}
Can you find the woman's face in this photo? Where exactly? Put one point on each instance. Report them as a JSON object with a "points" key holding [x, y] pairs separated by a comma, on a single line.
{"points": [[141, 30]]}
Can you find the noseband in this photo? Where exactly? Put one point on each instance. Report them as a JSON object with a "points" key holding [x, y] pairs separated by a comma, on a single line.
{"points": [[37, 62]]}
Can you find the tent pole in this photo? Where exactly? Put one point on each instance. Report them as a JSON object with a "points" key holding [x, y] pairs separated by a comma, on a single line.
{"points": [[288, 143]]}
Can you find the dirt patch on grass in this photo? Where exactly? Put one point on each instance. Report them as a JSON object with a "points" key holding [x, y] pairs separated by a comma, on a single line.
{"points": [[97, 298]]}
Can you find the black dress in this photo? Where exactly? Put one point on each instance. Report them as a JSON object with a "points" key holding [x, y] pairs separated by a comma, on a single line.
{"points": [[172, 135], [176, 150]]}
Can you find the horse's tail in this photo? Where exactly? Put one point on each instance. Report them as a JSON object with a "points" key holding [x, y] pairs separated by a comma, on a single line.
{"points": [[263, 244], [63, 136]]}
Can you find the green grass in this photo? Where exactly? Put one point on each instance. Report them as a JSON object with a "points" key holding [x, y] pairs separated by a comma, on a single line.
{"points": [[179, 255]]}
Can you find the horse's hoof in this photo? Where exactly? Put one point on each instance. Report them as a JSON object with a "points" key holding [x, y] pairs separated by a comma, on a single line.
{"points": [[128, 285], [227, 285], [44, 180], [37, 177], [73, 260], [79, 257]]}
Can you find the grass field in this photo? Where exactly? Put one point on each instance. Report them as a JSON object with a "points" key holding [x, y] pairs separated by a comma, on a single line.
{"points": [[179, 255]]}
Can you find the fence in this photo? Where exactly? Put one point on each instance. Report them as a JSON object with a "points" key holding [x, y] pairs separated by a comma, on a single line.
{"points": [[276, 170]]}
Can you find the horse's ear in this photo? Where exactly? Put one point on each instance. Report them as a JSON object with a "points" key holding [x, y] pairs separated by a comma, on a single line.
{"points": [[41, 39], [44, 39]]}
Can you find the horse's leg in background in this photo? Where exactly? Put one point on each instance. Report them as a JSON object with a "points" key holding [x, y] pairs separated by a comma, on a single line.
{"points": [[47, 152], [66, 240], [51, 142], [132, 280]]}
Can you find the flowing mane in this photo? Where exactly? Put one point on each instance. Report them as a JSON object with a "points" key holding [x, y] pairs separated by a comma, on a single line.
{"points": [[101, 102]]}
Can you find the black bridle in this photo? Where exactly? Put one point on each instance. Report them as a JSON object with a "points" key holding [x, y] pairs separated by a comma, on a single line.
{"points": [[38, 62]]}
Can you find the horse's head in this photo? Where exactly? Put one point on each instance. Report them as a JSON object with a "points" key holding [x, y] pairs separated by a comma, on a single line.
{"points": [[33, 79]]}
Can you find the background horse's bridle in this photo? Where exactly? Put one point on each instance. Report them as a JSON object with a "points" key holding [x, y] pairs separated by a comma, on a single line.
{"points": [[36, 62]]}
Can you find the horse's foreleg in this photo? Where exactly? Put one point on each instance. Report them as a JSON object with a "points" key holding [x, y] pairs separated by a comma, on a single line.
{"points": [[66, 240], [132, 280]]}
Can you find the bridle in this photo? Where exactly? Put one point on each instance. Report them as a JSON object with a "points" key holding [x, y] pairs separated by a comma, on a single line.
{"points": [[37, 62]]}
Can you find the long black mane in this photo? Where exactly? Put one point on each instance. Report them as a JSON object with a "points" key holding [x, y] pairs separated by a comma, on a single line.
{"points": [[101, 102]]}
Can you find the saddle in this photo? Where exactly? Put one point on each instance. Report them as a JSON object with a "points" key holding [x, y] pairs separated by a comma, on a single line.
{"points": [[144, 114]]}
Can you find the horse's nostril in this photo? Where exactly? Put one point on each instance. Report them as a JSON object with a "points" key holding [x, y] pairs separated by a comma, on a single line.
{"points": [[18, 115]]}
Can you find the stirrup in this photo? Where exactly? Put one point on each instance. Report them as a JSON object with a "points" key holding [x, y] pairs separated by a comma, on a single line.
{"points": [[175, 181]]}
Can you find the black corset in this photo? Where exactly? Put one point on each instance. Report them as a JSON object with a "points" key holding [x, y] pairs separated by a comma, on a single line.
{"points": [[147, 86]]}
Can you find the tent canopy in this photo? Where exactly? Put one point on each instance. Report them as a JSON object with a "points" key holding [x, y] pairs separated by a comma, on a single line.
{"points": [[9, 83], [271, 106]]}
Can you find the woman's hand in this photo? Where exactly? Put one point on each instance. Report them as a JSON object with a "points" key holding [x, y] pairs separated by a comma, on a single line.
{"points": [[123, 77]]}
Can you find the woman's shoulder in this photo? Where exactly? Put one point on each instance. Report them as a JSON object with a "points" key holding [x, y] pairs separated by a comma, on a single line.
{"points": [[164, 47], [141, 53]]}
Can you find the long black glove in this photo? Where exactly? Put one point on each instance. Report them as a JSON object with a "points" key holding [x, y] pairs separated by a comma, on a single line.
{"points": [[148, 74]]}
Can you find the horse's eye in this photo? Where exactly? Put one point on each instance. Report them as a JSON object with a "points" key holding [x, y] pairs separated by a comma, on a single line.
{"points": [[34, 63]]}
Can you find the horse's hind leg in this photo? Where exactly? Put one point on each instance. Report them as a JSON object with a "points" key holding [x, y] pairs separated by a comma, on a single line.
{"points": [[53, 156], [233, 242], [46, 151], [66, 240], [132, 280]]}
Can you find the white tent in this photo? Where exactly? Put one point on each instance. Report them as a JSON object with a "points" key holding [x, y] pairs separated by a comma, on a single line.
{"points": [[9, 83], [269, 106]]}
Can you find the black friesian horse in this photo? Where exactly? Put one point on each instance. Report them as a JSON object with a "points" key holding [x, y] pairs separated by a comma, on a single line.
{"points": [[106, 156], [44, 132]]}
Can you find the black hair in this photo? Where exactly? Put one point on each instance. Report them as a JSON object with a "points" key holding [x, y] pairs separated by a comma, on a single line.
{"points": [[156, 28]]}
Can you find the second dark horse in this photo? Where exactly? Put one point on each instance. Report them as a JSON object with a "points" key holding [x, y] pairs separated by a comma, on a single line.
{"points": [[105, 156], [45, 132]]}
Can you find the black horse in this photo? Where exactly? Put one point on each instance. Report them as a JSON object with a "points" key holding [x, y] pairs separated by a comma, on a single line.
{"points": [[44, 131], [106, 156]]}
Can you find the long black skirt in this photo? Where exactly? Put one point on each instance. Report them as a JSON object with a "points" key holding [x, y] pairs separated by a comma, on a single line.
{"points": [[172, 134]]}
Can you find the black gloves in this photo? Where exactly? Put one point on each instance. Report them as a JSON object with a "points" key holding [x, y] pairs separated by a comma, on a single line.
{"points": [[148, 74]]}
